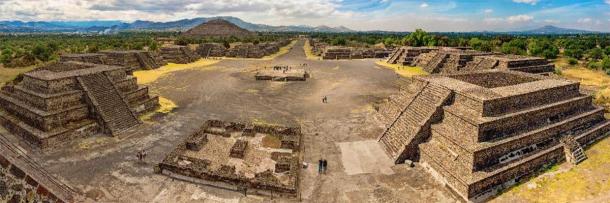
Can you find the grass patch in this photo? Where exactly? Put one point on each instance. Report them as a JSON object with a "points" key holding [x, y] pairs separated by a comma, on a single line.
{"points": [[587, 76], [593, 78], [309, 51], [584, 182], [262, 122], [272, 141], [166, 106], [404, 71], [9, 74], [148, 76]]}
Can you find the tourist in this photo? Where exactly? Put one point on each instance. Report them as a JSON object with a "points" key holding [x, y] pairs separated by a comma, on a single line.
{"points": [[320, 166], [324, 166]]}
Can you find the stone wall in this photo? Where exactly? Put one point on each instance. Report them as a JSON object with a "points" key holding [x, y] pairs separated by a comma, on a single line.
{"points": [[22, 180], [178, 54]]}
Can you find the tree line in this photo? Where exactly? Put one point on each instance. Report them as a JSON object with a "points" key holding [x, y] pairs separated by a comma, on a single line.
{"points": [[592, 49]]}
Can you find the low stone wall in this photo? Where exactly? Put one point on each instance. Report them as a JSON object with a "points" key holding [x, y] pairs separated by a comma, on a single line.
{"points": [[22, 180]]}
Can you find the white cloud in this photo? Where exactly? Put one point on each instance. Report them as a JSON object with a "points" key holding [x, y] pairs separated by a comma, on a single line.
{"points": [[584, 20], [519, 18], [488, 11], [532, 2], [424, 5], [607, 1], [552, 21]]}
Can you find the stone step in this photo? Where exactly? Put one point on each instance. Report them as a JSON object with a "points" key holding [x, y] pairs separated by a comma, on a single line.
{"points": [[114, 110]]}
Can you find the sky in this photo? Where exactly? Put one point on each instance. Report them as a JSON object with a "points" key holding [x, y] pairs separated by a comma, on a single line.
{"points": [[389, 15]]}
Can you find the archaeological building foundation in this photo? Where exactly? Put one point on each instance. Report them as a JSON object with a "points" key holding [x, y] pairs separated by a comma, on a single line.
{"points": [[480, 132], [249, 158], [65, 100]]}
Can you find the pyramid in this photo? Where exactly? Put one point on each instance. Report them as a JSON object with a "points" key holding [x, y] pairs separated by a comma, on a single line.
{"points": [[217, 28]]}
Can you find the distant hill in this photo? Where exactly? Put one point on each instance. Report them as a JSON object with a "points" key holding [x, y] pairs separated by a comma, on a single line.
{"points": [[217, 28], [179, 25], [552, 30]]}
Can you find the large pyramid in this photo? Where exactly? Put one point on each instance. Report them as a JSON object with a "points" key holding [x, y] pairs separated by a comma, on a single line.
{"points": [[217, 28]]}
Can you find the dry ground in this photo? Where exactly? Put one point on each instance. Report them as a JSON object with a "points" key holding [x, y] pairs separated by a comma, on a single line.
{"points": [[343, 131]]}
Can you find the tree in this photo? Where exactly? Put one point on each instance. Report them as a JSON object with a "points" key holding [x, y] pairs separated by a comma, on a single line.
{"points": [[480, 45], [596, 54], [515, 46], [543, 48], [606, 63], [339, 41], [574, 53], [419, 38], [41, 52]]}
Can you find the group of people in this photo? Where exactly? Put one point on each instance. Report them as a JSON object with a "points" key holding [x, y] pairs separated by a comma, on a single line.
{"points": [[141, 155], [322, 166]]}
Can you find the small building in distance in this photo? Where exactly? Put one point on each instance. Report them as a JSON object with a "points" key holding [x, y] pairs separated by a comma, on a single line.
{"points": [[218, 28]]}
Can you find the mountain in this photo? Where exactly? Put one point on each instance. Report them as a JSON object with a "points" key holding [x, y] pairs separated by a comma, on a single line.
{"points": [[217, 28], [179, 25], [552, 30]]}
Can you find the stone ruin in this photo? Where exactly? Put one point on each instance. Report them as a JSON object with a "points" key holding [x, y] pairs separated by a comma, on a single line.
{"points": [[535, 65], [22, 180], [483, 131], [134, 59], [406, 55], [207, 50], [61, 101], [178, 54], [446, 60], [450, 60], [235, 156], [336, 53], [282, 73], [244, 50], [317, 47]]}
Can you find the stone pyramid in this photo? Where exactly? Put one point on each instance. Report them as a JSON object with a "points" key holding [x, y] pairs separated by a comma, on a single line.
{"points": [[217, 28]]}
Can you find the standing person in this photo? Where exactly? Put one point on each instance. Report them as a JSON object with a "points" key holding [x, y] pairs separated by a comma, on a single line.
{"points": [[320, 166], [324, 166]]}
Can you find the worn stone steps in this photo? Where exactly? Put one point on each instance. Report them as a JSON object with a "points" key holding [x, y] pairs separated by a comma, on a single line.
{"points": [[411, 123], [108, 102]]}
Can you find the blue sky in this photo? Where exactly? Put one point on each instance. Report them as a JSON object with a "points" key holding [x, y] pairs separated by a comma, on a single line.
{"points": [[394, 15]]}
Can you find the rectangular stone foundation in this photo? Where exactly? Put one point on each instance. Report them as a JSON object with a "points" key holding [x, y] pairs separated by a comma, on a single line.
{"points": [[223, 155]]}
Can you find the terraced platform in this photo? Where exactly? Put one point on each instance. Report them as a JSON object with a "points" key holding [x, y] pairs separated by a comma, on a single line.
{"points": [[66, 100], [480, 132]]}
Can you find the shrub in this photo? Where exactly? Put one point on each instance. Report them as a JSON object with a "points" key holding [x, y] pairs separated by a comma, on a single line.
{"points": [[594, 65], [572, 61]]}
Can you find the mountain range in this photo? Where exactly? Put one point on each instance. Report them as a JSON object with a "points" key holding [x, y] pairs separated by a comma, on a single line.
{"points": [[185, 24], [139, 25]]}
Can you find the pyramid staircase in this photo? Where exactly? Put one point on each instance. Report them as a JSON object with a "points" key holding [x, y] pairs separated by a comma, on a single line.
{"points": [[436, 63], [396, 55], [112, 108], [573, 150], [412, 126], [146, 59]]}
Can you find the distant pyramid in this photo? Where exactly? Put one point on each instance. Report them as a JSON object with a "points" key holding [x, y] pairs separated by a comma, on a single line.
{"points": [[217, 28]]}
